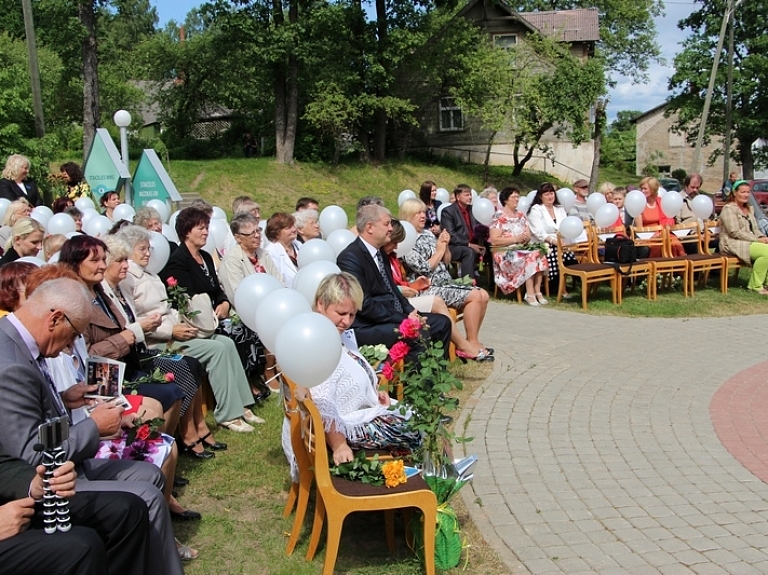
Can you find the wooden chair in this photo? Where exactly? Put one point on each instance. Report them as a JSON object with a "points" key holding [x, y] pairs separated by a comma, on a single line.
{"points": [[655, 237], [519, 291], [339, 497], [712, 233], [702, 262], [589, 272], [635, 271]]}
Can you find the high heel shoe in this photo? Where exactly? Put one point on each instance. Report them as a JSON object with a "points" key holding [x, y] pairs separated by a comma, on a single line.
{"points": [[215, 446], [481, 356], [531, 300], [541, 299], [189, 450]]}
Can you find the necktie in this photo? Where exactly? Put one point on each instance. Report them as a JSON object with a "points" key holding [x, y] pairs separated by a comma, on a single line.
{"points": [[385, 277], [58, 403]]}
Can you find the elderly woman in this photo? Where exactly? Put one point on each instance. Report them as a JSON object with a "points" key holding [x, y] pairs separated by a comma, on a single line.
{"points": [[544, 219], [653, 216], [741, 237], [15, 211], [108, 202], [355, 412], [429, 258], [218, 353], [515, 261], [284, 249], [427, 194], [149, 219], [246, 257], [26, 240], [307, 225], [15, 182]]}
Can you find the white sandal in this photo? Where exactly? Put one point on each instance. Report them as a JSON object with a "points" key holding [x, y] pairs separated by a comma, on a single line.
{"points": [[237, 425], [531, 300], [186, 553], [541, 299]]}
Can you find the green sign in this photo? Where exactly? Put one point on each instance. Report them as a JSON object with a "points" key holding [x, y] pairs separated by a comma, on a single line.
{"points": [[104, 169], [152, 182]]}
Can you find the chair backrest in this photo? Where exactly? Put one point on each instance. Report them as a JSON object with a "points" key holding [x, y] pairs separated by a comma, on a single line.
{"points": [[599, 235], [583, 248], [650, 236], [313, 439], [686, 233], [711, 233]]}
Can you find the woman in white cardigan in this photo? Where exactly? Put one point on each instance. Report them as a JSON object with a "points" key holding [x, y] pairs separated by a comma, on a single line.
{"points": [[246, 257], [284, 249], [544, 219]]}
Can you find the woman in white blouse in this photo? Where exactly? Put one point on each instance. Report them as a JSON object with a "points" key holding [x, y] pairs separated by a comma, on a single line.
{"points": [[544, 219], [284, 249]]}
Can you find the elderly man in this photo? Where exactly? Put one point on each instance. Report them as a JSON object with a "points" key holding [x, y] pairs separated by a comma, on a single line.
{"points": [[580, 209], [108, 534], [51, 318], [384, 307], [458, 221], [691, 187]]}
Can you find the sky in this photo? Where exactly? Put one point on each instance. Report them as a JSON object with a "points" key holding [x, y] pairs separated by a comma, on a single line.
{"points": [[625, 96]]}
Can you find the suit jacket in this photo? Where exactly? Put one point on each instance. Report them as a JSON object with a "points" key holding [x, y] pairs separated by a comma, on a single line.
{"points": [[15, 477], [451, 220], [183, 267], [378, 301], [11, 191], [27, 401]]}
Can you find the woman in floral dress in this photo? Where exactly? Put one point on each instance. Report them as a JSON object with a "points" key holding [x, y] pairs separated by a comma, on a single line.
{"points": [[516, 261]]}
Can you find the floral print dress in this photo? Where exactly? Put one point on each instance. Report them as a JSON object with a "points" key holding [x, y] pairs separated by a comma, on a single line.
{"points": [[511, 267]]}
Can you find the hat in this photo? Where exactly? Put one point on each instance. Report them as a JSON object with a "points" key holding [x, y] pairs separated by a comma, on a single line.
{"points": [[581, 184]]}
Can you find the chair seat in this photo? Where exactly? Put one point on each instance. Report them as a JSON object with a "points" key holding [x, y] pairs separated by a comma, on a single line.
{"points": [[702, 258], [358, 489], [591, 267]]}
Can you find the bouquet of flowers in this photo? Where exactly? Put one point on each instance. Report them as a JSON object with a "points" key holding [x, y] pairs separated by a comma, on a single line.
{"points": [[371, 471], [179, 299]]}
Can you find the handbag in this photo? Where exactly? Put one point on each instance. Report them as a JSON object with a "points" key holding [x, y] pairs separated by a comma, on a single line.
{"points": [[620, 250], [205, 320]]}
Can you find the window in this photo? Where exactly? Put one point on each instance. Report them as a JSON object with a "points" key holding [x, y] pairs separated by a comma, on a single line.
{"points": [[451, 117], [505, 41]]}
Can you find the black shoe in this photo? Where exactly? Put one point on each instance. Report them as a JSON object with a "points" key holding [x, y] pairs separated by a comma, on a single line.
{"points": [[189, 450], [179, 481], [186, 515], [446, 419], [261, 396], [489, 350], [215, 446]]}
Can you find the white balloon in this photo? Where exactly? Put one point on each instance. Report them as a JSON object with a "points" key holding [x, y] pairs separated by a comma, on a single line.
{"points": [[474, 195], [315, 250], [571, 227], [672, 204], [662, 192], [218, 229], [523, 205], [332, 218], [251, 292], [219, 214], [340, 239], [98, 226], [123, 212], [483, 210], [88, 214], [159, 253], [410, 239], [635, 203], [161, 207], [405, 195], [310, 276], [606, 215], [170, 234], [443, 196], [594, 201], [172, 219], [275, 310], [42, 214], [4, 203], [440, 210], [308, 349], [35, 260], [703, 206], [60, 224], [83, 204], [567, 198], [532, 194], [210, 243]]}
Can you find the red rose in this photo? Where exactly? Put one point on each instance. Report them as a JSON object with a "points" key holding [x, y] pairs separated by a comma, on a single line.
{"points": [[169, 377], [409, 328], [142, 433], [398, 351], [172, 281], [387, 371]]}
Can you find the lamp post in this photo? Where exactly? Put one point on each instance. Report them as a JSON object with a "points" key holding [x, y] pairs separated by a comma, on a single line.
{"points": [[122, 120]]}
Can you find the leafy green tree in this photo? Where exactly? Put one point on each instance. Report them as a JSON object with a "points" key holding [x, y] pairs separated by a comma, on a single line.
{"points": [[618, 148]]}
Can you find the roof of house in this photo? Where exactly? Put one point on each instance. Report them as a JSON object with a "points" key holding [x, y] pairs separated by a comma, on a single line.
{"points": [[647, 113]]}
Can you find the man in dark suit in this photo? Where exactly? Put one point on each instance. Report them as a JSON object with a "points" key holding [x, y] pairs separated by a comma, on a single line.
{"points": [[53, 316], [384, 307], [108, 534], [457, 220]]}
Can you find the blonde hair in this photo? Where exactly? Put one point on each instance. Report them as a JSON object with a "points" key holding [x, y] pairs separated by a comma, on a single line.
{"points": [[52, 244], [606, 188], [117, 248], [410, 208], [653, 184], [14, 165], [338, 288], [12, 212], [22, 228]]}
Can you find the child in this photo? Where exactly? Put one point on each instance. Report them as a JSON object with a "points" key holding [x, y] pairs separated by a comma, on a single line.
{"points": [[618, 201]]}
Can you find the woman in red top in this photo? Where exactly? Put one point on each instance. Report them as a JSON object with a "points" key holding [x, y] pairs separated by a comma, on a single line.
{"points": [[653, 215]]}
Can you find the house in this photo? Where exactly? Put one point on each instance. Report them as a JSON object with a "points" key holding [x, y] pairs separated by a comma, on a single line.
{"points": [[446, 130], [665, 150]]}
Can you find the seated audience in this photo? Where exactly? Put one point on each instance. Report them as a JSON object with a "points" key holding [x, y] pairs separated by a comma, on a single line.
{"points": [[108, 202], [307, 226], [77, 215], [15, 211], [653, 216], [149, 219], [428, 195], [580, 209], [284, 247], [61, 204], [13, 291], [25, 241], [51, 245], [306, 203], [458, 221]]}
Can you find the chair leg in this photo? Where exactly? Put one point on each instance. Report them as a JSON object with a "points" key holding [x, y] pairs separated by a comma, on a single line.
{"points": [[429, 547], [584, 293], [389, 522], [332, 543], [561, 287], [317, 527], [292, 495], [298, 520]]}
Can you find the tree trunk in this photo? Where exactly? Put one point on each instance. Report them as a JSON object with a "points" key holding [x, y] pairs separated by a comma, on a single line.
{"points": [[90, 74], [746, 158], [488, 156], [598, 140], [286, 89], [380, 117], [520, 163]]}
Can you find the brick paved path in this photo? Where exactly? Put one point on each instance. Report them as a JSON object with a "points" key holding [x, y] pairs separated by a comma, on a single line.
{"points": [[598, 453]]}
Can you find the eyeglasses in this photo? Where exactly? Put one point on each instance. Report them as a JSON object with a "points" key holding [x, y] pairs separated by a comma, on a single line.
{"points": [[69, 321], [251, 235]]}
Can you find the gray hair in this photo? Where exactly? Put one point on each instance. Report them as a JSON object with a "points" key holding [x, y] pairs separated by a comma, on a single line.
{"points": [[14, 165], [489, 192], [303, 217], [368, 215], [202, 205], [117, 248], [242, 220], [132, 235], [368, 200], [63, 294], [246, 207], [144, 215]]}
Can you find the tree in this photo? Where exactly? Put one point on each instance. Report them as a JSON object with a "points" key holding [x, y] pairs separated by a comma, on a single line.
{"points": [[750, 79], [618, 147]]}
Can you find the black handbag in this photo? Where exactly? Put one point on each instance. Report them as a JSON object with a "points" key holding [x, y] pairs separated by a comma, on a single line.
{"points": [[620, 250]]}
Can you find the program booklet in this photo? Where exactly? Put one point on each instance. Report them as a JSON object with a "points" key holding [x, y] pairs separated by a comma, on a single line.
{"points": [[108, 375]]}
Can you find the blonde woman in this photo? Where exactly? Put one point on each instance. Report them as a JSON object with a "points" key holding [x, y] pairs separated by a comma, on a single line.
{"points": [[26, 240], [15, 182], [18, 209]]}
